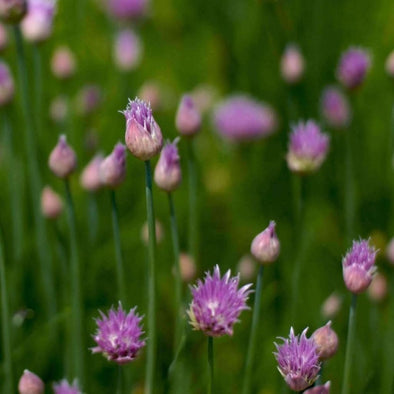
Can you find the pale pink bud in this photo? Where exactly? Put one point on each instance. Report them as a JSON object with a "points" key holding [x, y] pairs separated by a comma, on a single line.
{"points": [[325, 389], [63, 63], [326, 341], [59, 109], [390, 65], [127, 50], [6, 85], [292, 64], [145, 232], [331, 306], [247, 268], [377, 290], [62, 160], [265, 246], [90, 177], [113, 168], [30, 383], [51, 203], [12, 11], [188, 117], [3, 38], [187, 266]]}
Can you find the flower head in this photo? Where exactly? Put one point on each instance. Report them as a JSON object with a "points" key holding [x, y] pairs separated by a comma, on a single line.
{"points": [[90, 177], [118, 336], [335, 108], [62, 160], [112, 169], [51, 203], [292, 64], [6, 85], [37, 24], [353, 67], [298, 361], [188, 117], [127, 50], [168, 174], [217, 303], [358, 266], [240, 118], [63, 63], [326, 341], [30, 383], [325, 389], [63, 387], [128, 9], [265, 246], [12, 11], [308, 147], [143, 134]]}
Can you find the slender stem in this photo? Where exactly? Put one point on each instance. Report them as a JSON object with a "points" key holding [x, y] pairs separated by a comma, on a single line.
{"points": [[151, 348], [5, 320], [178, 280], [75, 282], [35, 181], [38, 91], [210, 365], [120, 388], [350, 346], [253, 333], [118, 248], [193, 207], [349, 189]]}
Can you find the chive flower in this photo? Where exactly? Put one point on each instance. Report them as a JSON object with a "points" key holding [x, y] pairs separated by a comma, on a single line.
{"points": [[292, 65], [265, 246], [63, 63], [324, 389], [188, 117], [125, 10], [112, 169], [12, 11], [62, 160], [127, 50], [30, 383], [51, 203], [63, 387], [326, 340], [335, 108], [90, 177]]}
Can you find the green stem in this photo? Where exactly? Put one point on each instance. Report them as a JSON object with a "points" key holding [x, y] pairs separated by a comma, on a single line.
{"points": [[178, 280], [193, 207], [120, 388], [5, 320], [35, 181], [351, 336], [210, 365], [38, 91], [151, 347], [349, 189], [75, 282], [118, 248], [253, 333]]}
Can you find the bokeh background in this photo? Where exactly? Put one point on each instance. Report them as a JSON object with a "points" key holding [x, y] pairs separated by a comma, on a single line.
{"points": [[229, 46]]}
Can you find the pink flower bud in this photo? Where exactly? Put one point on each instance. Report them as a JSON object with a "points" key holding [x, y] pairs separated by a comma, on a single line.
{"points": [[30, 383], [3, 38], [265, 246], [51, 203], [331, 306], [326, 341], [90, 177], [63, 63], [62, 160], [188, 117], [247, 268], [187, 266], [292, 64], [377, 291], [6, 85], [325, 389], [12, 11], [145, 232], [112, 170], [127, 50]]}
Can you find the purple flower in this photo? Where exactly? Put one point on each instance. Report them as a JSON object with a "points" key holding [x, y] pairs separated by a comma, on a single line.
{"points": [[240, 118], [217, 303], [30, 383], [335, 108], [143, 134], [118, 335], [127, 50], [358, 266], [112, 169], [62, 160], [308, 147], [63, 387], [292, 64], [63, 63], [128, 9], [90, 177], [353, 67], [6, 85], [188, 117], [265, 246], [325, 389], [326, 341], [298, 361], [88, 99], [168, 175]]}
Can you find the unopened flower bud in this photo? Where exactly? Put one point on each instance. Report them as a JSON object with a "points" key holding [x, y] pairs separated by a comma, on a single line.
{"points": [[326, 341], [62, 160], [113, 168], [3, 38], [377, 290], [331, 306], [187, 266], [127, 50], [30, 383], [325, 389], [12, 11], [63, 63], [90, 177], [143, 135], [51, 203], [292, 64], [265, 246], [188, 117], [63, 387], [6, 85], [247, 268], [168, 175], [335, 108], [145, 232]]}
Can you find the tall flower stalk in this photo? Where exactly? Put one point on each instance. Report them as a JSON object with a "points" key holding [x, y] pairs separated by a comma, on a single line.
{"points": [[210, 366]]}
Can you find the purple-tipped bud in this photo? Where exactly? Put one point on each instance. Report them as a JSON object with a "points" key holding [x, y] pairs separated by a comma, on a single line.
{"points": [[118, 335], [390, 65], [63, 63], [51, 203], [7, 88], [168, 175], [143, 134], [247, 268], [128, 9], [240, 118], [127, 50], [217, 303], [325, 389], [331, 306], [37, 24], [88, 99], [30, 383], [113, 168], [3, 38], [145, 232], [390, 251], [326, 341], [188, 117], [265, 246], [90, 178], [335, 108], [298, 361], [308, 148], [12, 11], [63, 387], [62, 160], [292, 64], [377, 291], [353, 67], [358, 266], [59, 109]]}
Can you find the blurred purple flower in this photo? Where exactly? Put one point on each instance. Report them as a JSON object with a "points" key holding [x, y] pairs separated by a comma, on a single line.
{"points": [[188, 117], [63, 387], [30, 383], [127, 50], [325, 389], [292, 64], [112, 169], [128, 9], [7, 88], [90, 177], [88, 99], [62, 160], [63, 63], [335, 108], [265, 245]]}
